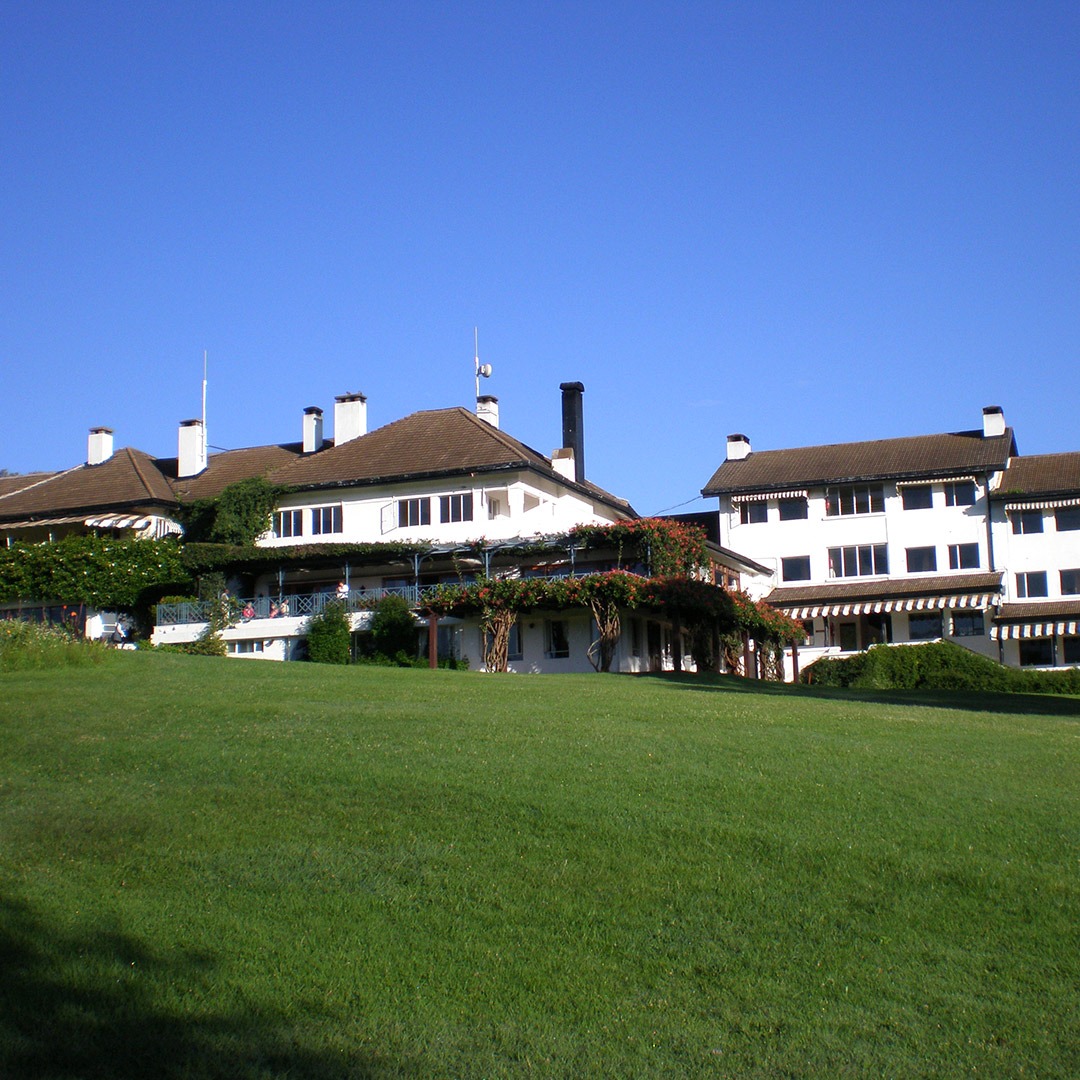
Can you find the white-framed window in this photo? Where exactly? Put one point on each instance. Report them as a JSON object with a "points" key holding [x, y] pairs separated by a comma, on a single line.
{"points": [[861, 561], [1032, 583], [753, 513], [289, 523], [924, 626], [1070, 582], [456, 507], [795, 568], [968, 624], [793, 508], [1027, 521], [494, 508], [244, 648], [326, 519], [960, 493], [556, 639], [1067, 518], [413, 512], [921, 560], [854, 499], [963, 556], [920, 497]]}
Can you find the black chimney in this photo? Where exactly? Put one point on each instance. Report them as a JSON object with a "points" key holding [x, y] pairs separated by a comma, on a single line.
{"points": [[573, 427]]}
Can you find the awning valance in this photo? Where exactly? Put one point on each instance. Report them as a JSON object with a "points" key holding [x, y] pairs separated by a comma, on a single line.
{"points": [[1044, 504], [1015, 631], [901, 484], [40, 524], [761, 496], [876, 607]]}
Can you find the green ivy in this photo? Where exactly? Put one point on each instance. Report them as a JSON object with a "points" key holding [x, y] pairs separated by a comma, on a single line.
{"points": [[239, 515]]}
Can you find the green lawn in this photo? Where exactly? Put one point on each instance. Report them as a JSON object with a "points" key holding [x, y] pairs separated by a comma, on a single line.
{"points": [[245, 869]]}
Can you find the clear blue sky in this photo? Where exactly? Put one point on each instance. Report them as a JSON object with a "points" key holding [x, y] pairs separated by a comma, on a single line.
{"points": [[805, 222]]}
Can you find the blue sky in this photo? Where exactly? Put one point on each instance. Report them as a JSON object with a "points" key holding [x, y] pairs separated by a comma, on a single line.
{"points": [[805, 222]]}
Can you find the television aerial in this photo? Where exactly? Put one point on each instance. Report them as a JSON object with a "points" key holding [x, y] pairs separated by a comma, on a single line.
{"points": [[481, 369]]}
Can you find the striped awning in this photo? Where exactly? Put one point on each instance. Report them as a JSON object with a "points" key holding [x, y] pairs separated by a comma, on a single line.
{"points": [[901, 484], [1045, 504], [148, 526], [761, 496], [1015, 631], [41, 523], [876, 607]]}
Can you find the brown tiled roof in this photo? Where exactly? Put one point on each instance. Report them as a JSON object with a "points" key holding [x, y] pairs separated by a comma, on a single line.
{"points": [[437, 442], [8, 484], [229, 467], [1041, 474], [913, 457], [129, 478], [892, 588], [1052, 609]]}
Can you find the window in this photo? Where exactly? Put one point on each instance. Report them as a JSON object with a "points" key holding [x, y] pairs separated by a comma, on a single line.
{"points": [[963, 556], [1067, 518], [1071, 650], [793, 509], [1036, 652], [924, 627], [1027, 521], [557, 644], [413, 512], [796, 568], [635, 637], [921, 560], [289, 523], [494, 508], [960, 493], [968, 624], [240, 648], [325, 519], [918, 498], [858, 561], [1070, 582], [753, 513], [849, 637], [455, 507], [855, 499], [1032, 583]]}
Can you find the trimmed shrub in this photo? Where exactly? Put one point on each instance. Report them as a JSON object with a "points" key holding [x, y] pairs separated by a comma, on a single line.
{"points": [[328, 635], [393, 629]]}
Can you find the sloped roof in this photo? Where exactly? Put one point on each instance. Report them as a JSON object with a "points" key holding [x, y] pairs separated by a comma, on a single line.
{"points": [[910, 457], [432, 443], [8, 484], [1041, 474], [228, 467], [1046, 610], [128, 478]]}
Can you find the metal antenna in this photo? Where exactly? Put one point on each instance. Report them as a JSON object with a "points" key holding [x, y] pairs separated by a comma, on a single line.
{"points": [[204, 439], [481, 369]]}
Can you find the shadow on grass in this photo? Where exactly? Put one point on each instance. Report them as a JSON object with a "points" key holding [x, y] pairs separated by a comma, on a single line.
{"points": [[83, 1008], [974, 701]]}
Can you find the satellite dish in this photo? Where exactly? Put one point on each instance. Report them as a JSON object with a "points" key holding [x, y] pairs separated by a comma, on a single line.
{"points": [[485, 370]]}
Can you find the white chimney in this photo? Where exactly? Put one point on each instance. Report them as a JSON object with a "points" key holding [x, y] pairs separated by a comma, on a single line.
{"points": [[738, 447], [562, 461], [313, 422], [99, 447], [350, 417], [191, 453], [487, 409], [993, 421]]}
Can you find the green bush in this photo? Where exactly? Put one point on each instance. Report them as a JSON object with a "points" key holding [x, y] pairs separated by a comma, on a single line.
{"points": [[328, 635], [936, 665], [26, 645], [393, 629]]}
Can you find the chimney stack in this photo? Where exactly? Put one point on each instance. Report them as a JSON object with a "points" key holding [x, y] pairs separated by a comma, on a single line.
{"points": [[993, 421], [487, 409], [191, 454], [99, 447], [738, 447], [573, 425], [313, 425], [350, 417], [562, 461]]}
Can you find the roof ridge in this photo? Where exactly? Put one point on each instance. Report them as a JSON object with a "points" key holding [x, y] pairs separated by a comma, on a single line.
{"points": [[147, 486], [38, 483]]}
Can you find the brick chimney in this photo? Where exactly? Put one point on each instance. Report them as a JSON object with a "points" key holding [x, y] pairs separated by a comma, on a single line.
{"points": [[99, 447], [738, 447], [350, 417], [313, 429], [191, 450]]}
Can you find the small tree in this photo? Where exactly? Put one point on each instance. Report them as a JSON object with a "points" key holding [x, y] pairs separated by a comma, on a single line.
{"points": [[393, 628], [328, 635]]}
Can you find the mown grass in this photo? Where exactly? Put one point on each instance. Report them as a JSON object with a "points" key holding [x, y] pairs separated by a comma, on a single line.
{"points": [[218, 868]]}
